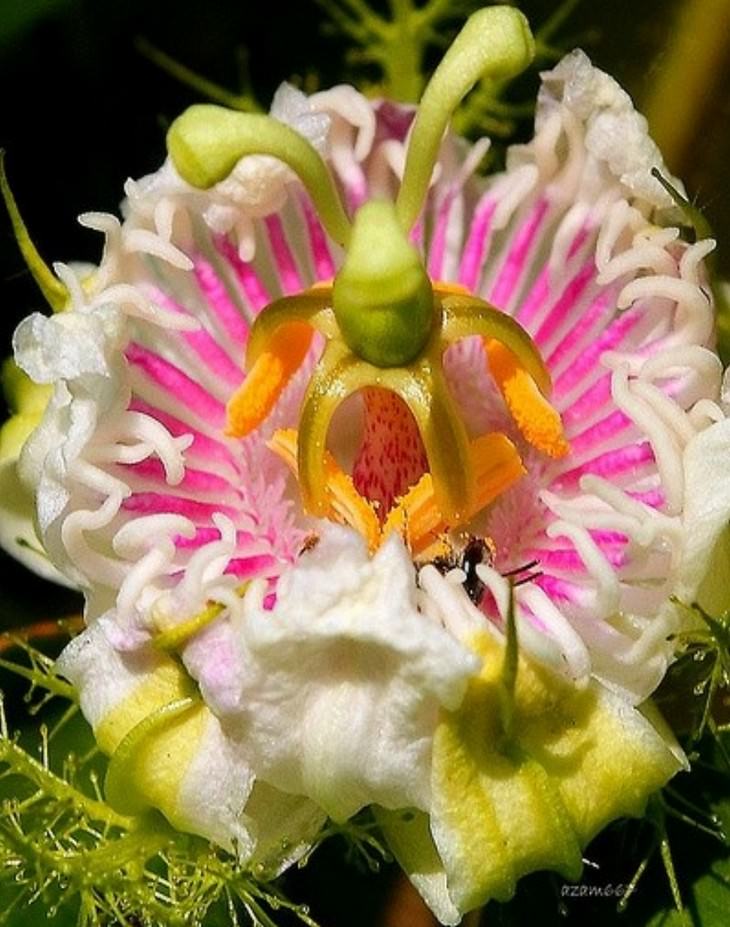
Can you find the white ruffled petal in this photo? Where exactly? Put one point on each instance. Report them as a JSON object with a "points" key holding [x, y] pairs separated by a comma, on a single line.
{"points": [[616, 134], [343, 680], [193, 770]]}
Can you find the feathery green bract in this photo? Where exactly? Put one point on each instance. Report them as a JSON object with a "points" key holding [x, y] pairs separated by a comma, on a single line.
{"points": [[66, 857]]}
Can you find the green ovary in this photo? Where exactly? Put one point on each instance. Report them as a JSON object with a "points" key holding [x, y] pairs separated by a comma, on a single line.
{"points": [[382, 296]]}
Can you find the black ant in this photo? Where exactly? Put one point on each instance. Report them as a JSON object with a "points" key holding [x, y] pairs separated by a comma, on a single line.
{"points": [[477, 550]]}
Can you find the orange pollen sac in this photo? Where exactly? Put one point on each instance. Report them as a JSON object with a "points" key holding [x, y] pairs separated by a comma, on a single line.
{"points": [[257, 395], [346, 505], [416, 515], [537, 420]]}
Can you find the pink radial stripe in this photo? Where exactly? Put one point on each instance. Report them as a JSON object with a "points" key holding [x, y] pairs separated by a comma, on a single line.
{"points": [[202, 446], [561, 590], [472, 258], [569, 560], [606, 538], [203, 344], [157, 503], [205, 535], [627, 460], [437, 250], [220, 303], [600, 433], [254, 290], [654, 498], [588, 360], [291, 281], [249, 567], [580, 239], [582, 327], [540, 290], [179, 385], [587, 404], [505, 286], [324, 267], [535, 299], [193, 481], [565, 305]]}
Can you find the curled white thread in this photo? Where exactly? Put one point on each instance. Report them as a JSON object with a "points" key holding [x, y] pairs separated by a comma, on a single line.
{"points": [[147, 541], [595, 562], [690, 265], [67, 276], [694, 318], [667, 452], [545, 144], [647, 525], [149, 438], [621, 218], [704, 413], [208, 564], [644, 257], [675, 361], [565, 183], [453, 607], [511, 191], [164, 217], [575, 219], [146, 241], [354, 110], [673, 416], [574, 650], [135, 304]]}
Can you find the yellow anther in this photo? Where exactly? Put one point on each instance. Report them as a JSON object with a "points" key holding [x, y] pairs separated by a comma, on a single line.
{"points": [[497, 466], [257, 395], [346, 504], [538, 421]]}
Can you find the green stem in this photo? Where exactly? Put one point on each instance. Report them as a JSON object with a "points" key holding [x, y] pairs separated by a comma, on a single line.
{"points": [[21, 764], [44, 680], [53, 290], [205, 87]]}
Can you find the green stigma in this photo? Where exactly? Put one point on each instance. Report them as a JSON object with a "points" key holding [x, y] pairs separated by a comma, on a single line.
{"points": [[495, 42], [382, 296], [207, 142]]}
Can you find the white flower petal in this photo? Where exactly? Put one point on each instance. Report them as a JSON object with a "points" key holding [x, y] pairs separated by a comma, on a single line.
{"points": [[342, 681], [615, 133], [706, 517], [194, 772], [17, 530]]}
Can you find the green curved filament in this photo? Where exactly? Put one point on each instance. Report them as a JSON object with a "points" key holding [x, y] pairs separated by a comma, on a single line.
{"points": [[118, 784], [54, 292], [464, 316], [313, 307], [338, 375], [174, 638], [495, 42], [207, 141]]}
